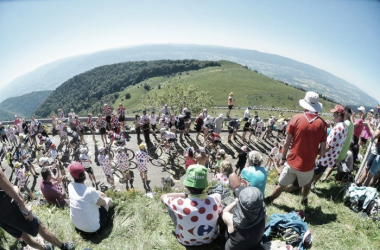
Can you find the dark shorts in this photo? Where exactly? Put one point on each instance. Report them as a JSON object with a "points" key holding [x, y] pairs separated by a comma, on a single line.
{"points": [[81, 131], [245, 129], [103, 131], [231, 131], [89, 170], [103, 214], [198, 129], [319, 169], [241, 167], [230, 106], [370, 160], [154, 126], [246, 119], [121, 118], [108, 118], [15, 224], [280, 131]]}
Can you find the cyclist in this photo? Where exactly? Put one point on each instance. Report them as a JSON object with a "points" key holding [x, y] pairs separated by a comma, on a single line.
{"points": [[91, 126], [166, 138], [45, 140], [142, 158], [53, 151], [214, 141], [123, 166], [86, 162], [118, 138]]}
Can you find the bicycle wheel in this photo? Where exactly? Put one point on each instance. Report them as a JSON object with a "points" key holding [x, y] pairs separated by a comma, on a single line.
{"points": [[155, 152], [158, 162], [180, 161], [130, 153], [132, 165]]}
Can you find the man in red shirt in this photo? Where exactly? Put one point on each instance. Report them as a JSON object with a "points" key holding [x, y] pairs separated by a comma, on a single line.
{"points": [[308, 134]]}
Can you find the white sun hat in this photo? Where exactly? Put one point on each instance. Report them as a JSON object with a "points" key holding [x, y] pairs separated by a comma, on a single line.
{"points": [[310, 102]]}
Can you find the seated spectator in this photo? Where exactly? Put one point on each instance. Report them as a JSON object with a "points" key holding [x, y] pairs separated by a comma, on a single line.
{"points": [[254, 175], [88, 207], [225, 171], [17, 219], [51, 193], [245, 219], [194, 215]]}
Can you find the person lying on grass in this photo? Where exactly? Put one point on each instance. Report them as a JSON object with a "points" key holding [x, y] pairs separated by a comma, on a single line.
{"points": [[195, 215]]}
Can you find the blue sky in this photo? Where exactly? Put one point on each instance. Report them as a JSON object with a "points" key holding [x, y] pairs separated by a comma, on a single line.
{"points": [[339, 36]]}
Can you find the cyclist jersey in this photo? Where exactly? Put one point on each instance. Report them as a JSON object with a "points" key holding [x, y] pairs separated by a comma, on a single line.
{"points": [[119, 138], [78, 125], [101, 124], [90, 123], [115, 121], [169, 135], [47, 141], [85, 160], [216, 137]]}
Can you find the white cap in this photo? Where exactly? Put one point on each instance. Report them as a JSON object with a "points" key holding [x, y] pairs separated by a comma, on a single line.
{"points": [[362, 109], [43, 160], [202, 149], [221, 115]]}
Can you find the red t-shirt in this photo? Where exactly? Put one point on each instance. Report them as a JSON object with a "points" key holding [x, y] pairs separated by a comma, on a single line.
{"points": [[306, 139], [359, 128]]}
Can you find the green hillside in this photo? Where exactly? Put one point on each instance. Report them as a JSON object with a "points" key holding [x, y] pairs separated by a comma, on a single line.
{"points": [[23, 106], [87, 92], [250, 88]]}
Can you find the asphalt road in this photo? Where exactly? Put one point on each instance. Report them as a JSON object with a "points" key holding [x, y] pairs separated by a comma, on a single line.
{"points": [[166, 168]]}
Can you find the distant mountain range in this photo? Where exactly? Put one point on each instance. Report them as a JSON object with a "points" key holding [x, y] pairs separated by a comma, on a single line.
{"points": [[52, 75], [22, 106]]}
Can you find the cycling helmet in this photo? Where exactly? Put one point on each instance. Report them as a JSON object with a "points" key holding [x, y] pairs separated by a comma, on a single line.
{"points": [[43, 160], [22, 136], [162, 130], [52, 145], [83, 150]]}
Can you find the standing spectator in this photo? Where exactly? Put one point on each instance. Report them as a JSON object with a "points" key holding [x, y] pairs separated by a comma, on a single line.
{"points": [[101, 125], [198, 126], [146, 129], [107, 110], [194, 210], [4, 137], [187, 117], [61, 115], [252, 127], [17, 121], [218, 124], [165, 111], [246, 127], [375, 166], [181, 127], [79, 127], [358, 128], [204, 113], [121, 112], [88, 207], [307, 132], [259, 128], [142, 158], [21, 180], [232, 128], [153, 122], [242, 159], [246, 114], [335, 142], [230, 103], [206, 125], [137, 123], [91, 126], [365, 135], [347, 142], [173, 124], [17, 219]]}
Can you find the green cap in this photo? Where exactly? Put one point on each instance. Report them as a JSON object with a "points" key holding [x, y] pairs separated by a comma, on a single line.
{"points": [[196, 177]]}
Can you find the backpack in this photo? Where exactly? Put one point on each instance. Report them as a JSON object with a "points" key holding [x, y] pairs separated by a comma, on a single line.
{"points": [[373, 210]]}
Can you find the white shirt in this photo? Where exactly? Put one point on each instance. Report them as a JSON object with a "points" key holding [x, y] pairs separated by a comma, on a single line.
{"points": [[246, 113], [153, 119], [84, 213]]}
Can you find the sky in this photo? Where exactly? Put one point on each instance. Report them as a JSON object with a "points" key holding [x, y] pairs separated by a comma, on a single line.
{"points": [[339, 36]]}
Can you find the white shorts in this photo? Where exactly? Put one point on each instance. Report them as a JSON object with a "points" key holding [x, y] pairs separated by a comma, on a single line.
{"points": [[289, 175]]}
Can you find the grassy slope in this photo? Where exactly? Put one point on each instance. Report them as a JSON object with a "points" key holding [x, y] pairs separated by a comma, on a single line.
{"points": [[143, 223], [250, 89]]}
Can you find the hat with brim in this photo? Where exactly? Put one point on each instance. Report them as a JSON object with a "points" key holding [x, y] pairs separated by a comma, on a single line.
{"points": [[362, 109], [339, 109], [250, 209], [196, 177], [372, 111], [310, 102]]}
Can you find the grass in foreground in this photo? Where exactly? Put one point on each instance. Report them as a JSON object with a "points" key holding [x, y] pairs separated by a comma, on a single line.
{"points": [[143, 223]]}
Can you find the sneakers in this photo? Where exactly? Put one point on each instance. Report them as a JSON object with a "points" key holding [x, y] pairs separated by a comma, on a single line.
{"points": [[307, 240], [67, 246], [48, 246], [268, 200], [291, 237], [305, 202], [312, 187]]}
